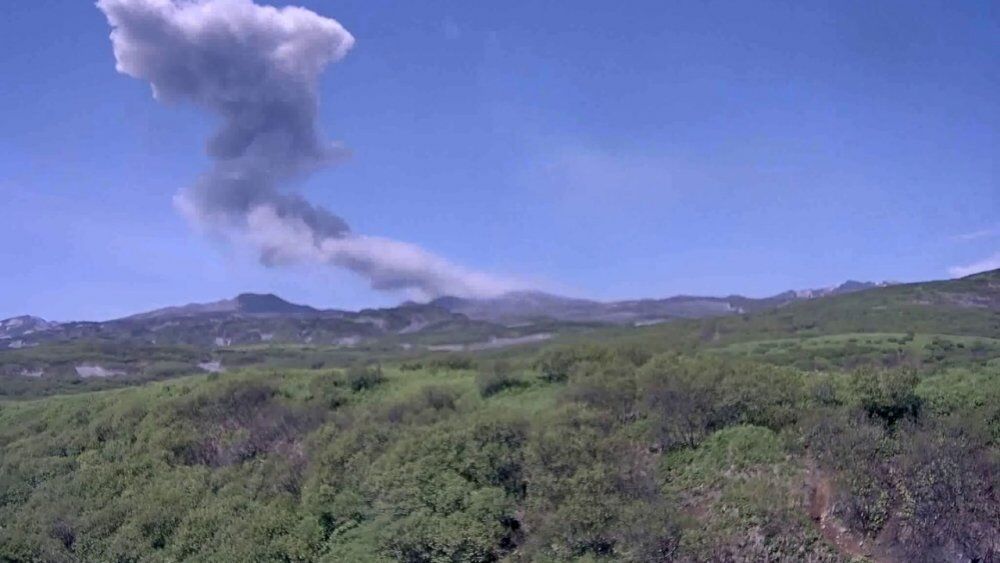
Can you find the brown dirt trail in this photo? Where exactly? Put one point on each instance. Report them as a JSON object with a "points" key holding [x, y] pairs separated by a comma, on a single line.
{"points": [[820, 489]]}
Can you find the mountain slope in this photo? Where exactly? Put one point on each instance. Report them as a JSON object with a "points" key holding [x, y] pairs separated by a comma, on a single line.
{"points": [[243, 304], [968, 306], [25, 325], [526, 306], [245, 330], [251, 319]]}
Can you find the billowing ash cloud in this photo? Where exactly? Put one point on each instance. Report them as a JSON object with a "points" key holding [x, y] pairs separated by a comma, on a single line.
{"points": [[256, 67]]}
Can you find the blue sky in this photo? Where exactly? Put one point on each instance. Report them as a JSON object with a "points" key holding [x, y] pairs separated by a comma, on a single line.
{"points": [[600, 149]]}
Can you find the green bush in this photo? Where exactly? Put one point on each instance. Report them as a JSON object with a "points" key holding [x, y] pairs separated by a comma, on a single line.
{"points": [[430, 404], [888, 394], [554, 364], [944, 504], [609, 386], [585, 483], [360, 377], [168, 368], [452, 362], [767, 396], [327, 390], [496, 377]]}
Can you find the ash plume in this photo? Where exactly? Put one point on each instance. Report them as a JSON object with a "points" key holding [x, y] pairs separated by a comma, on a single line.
{"points": [[256, 68]]}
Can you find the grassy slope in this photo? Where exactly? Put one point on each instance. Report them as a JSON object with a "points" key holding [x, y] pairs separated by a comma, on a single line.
{"points": [[968, 306], [963, 307], [857, 348]]}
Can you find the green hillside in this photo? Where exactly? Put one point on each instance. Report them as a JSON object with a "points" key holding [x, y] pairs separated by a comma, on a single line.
{"points": [[968, 306], [855, 427], [952, 308]]}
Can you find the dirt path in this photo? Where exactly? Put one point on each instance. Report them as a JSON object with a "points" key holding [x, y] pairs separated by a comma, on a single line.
{"points": [[820, 488]]}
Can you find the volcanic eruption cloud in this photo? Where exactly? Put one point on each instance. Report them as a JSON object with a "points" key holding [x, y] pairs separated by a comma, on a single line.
{"points": [[256, 68]]}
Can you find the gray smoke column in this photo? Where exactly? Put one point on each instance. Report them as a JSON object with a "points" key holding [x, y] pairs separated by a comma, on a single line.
{"points": [[256, 68]]}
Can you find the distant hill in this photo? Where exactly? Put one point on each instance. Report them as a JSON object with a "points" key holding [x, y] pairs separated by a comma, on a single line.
{"points": [[22, 326], [850, 286], [967, 306], [244, 304], [253, 318], [527, 306], [198, 336]]}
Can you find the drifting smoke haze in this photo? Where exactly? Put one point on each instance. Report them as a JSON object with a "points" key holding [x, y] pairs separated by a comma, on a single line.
{"points": [[257, 67]]}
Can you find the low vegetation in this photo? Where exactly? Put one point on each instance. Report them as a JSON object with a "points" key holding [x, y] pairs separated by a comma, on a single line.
{"points": [[662, 444], [577, 453]]}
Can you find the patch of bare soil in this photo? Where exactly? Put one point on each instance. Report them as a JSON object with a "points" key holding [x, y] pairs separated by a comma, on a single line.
{"points": [[820, 501]]}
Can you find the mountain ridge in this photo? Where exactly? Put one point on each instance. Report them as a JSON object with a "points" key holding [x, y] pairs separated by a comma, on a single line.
{"points": [[514, 306], [522, 306], [244, 303], [204, 333]]}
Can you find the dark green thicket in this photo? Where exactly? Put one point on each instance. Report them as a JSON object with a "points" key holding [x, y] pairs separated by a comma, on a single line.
{"points": [[362, 377], [496, 377]]}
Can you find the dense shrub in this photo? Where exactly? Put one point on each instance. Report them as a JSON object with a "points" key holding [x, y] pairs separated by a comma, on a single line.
{"points": [[496, 377], [888, 394], [960, 390], [608, 386], [584, 484], [237, 422], [687, 398], [452, 362], [360, 377], [684, 397], [429, 404], [328, 390], [767, 396], [449, 491], [948, 507], [822, 390], [554, 364], [168, 368]]}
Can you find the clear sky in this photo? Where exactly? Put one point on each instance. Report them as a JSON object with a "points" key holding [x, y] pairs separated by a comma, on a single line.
{"points": [[601, 149]]}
